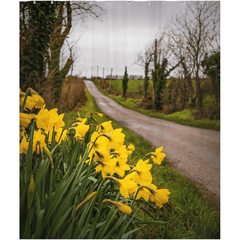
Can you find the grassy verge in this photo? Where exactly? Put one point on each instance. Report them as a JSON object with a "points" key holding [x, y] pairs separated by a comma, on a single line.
{"points": [[187, 213], [184, 117]]}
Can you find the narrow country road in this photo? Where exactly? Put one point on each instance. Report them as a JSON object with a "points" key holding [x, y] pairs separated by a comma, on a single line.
{"points": [[193, 151]]}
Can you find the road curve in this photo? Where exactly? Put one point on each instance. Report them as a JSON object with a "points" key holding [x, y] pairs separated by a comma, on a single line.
{"points": [[193, 151]]}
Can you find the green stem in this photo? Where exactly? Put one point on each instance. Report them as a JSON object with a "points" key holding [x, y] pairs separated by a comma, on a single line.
{"points": [[53, 137], [87, 180], [108, 223], [92, 206], [29, 154], [135, 198], [24, 101], [123, 228], [94, 224], [61, 136], [26, 234]]}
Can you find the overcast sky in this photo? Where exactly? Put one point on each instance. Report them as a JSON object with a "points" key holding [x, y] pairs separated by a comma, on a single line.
{"points": [[114, 40]]}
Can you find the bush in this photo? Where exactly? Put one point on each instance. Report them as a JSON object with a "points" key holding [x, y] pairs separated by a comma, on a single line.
{"points": [[75, 182]]}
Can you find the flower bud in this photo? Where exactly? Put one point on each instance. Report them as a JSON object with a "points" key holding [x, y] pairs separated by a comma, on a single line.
{"points": [[87, 199], [31, 192], [121, 207], [49, 156], [32, 91]]}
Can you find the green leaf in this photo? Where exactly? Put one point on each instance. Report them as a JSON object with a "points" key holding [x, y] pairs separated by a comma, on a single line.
{"points": [[126, 235], [93, 179], [150, 222], [39, 224], [59, 223]]}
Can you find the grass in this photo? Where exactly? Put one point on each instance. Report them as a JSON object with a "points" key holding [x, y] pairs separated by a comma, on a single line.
{"points": [[184, 117], [187, 214], [133, 85]]}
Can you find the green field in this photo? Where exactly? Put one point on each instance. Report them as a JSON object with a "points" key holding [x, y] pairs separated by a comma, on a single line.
{"points": [[185, 117], [187, 213], [133, 85]]}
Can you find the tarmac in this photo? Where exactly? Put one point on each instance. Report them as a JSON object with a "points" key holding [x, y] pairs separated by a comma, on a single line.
{"points": [[194, 152]]}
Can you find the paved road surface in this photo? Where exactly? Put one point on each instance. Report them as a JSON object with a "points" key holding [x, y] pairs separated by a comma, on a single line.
{"points": [[193, 151]]}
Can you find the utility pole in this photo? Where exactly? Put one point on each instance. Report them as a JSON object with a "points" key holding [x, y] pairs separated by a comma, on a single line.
{"points": [[103, 76], [110, 80]]}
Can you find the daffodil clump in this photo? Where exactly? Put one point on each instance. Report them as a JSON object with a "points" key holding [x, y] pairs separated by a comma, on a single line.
{"points": [[76, 182]]}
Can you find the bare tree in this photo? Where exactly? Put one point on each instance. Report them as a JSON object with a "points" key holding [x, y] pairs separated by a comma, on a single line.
{"points": [[195, 33], [66, 12], [177, 45]]}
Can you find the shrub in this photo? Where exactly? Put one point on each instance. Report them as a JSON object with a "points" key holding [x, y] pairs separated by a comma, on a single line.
{"points": [[125, 82]]}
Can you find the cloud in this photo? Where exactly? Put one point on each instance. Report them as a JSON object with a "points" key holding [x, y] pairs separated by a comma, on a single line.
{"points": [[123, 31]]}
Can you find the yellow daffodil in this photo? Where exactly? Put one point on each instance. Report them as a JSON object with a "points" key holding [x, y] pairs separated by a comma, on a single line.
{"points": [[81, 129], [106, 164], [150, 192], [24, 145], [105, 127], [55, 119], [160, 197], [29, 104], [102, 154], [143, 193], [130, 149], [42, 119], [38, 141], [32, 101], [97, 140], [60, 132], [38, 101], [25, 119], [116, 140], [121, 207], [103, 157], [57, 133], [22, 132], [21, 92], [141, 173], [121, 152], [87, 199], [158, 156], [121, 166], [126, 186], [79, 120]]}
